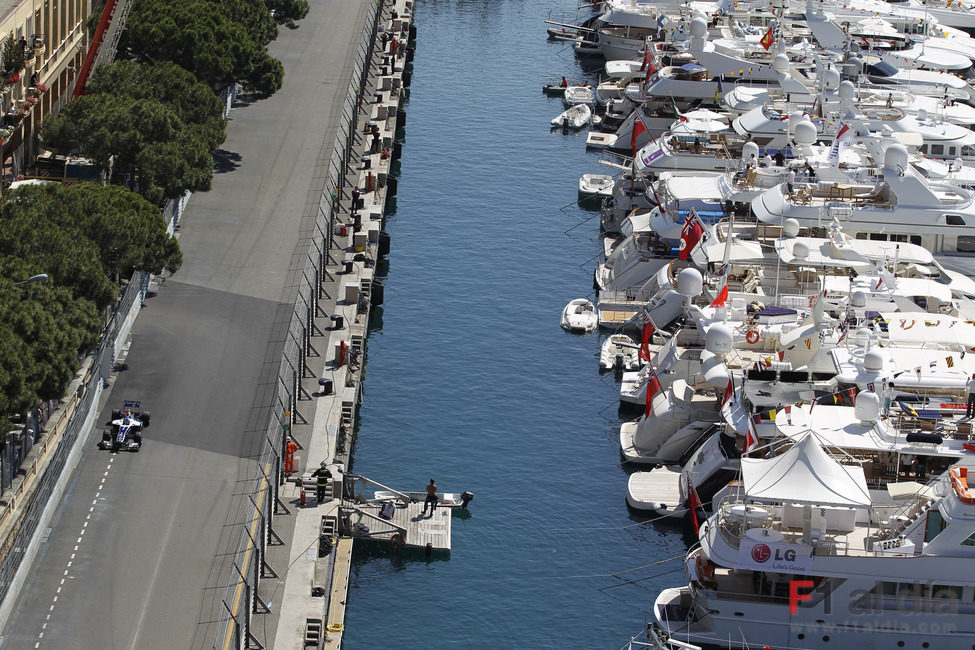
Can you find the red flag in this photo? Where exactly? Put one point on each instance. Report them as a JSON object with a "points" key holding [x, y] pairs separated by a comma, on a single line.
{"points": [[880, 281], [812, 404], [781, 354], [768, 39], [647, 57], [648, 330], [653, 385], [689, 236], [722, 297], [728, 392], [751, 437], [638, 128]]}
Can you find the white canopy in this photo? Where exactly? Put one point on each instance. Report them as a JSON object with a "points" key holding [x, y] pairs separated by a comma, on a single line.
{"points": [[805, 474]]}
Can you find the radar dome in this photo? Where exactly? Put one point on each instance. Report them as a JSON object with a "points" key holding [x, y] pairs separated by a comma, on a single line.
{"points": [[873, 361], [720, 339], [858, 300], [747, 150], [690, 284], [831, 79], [780, 63], [922, 114], [847, 90], [794, 118], [856, 63], [699, 27], [957, 164], [861, 337], [800, 250], [790, 227], [895, 158], [805, 133], [867, 408]]}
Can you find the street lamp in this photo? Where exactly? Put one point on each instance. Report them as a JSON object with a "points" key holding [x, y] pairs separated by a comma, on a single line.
{"points": [[40, 277]]}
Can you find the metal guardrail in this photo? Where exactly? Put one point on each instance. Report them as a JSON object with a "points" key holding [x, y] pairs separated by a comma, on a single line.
{"points": [[61, 439], [242, 597]]}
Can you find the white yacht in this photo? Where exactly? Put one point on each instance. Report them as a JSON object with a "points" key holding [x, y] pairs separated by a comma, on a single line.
{"points": [[876, 569]]}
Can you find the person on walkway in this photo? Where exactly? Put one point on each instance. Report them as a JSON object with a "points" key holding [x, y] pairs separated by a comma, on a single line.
{"points": [[970, 412], [376, 142], [321, 475], [289, 456], [431, 499], [355, 198]]}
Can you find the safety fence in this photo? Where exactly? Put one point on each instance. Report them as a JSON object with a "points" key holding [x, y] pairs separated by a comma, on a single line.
{"points": [[243, 595], [44, 468]]}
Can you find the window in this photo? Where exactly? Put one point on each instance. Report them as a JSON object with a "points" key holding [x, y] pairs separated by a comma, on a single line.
{"points": [[937, 149], [966, 244], [954, 220], [969, 541], [916, 240], [902, 238], [935, 524], [861, 235], [878, 236]]}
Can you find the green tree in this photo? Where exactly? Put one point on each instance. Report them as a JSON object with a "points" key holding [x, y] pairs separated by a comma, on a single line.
{"points": [[13, 55], [219, 42], [142, 138]]}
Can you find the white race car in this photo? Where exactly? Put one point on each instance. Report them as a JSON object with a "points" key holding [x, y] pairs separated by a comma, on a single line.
{"points": [[126, 428]]}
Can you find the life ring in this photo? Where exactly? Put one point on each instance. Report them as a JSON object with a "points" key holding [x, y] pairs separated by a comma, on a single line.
{"points": [[335, 627], [752, 336], [397, 541]]}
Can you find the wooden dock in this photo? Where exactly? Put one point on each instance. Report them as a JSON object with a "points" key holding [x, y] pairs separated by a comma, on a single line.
{"points": [[417, 530]]}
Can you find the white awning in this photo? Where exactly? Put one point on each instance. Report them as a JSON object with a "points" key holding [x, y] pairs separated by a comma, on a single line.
{"points": [[805, 474]]}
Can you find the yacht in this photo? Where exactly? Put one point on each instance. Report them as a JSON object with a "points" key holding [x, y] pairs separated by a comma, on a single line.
{"points": [[864, 568]]}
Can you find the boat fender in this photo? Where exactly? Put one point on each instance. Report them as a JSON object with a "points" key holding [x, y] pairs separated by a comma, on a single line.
{"points": [[752, 336], [397, 541], [705, 568]]}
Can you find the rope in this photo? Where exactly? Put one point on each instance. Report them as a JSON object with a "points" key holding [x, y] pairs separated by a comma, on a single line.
{"points": [[618, 573]]}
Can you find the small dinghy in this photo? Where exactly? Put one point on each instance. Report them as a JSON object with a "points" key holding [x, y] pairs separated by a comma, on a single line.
{"points": [[596, 186], [619, 352], [579, 316], [575, 117], [578, 95]]}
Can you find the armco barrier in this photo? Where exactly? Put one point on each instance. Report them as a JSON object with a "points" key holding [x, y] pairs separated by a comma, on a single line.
{"points": [[243, 597]]}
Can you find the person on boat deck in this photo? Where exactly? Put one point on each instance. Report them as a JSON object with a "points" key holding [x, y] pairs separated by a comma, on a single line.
{"points": [[564, 83], [810, 172], [970, 411], [790, 180], [890, 99], [431, 499], [767, 160], [779, 158]]}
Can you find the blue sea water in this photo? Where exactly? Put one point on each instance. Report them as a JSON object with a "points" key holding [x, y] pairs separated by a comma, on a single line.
{"points": [[471, 381]]}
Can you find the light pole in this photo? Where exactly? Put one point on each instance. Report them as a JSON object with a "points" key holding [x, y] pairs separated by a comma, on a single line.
{"points": [[40, 277]]}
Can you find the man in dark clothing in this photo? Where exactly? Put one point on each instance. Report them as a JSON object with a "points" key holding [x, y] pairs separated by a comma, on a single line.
{"points": [[322, 475]]}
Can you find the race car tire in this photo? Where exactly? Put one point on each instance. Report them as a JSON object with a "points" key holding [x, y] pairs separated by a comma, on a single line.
{"points": [[145, 416], [106, 436], [137, 438], [116, 414]]}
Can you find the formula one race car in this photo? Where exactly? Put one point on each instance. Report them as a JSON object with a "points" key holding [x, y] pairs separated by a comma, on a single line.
{"points": [[126, 428]]}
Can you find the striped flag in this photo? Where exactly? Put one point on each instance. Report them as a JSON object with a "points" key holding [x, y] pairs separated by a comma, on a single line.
{"points": [[751, 437]]}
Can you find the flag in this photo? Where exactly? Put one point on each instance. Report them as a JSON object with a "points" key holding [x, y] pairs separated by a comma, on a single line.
{"points": [[718, 92], [689, 236], [638, 128], [751, 437], [722, 297], [768, 39], [677, 115], [653, 385], [758, 418], [771, 415], [950, 361], [853, 396], [809, 344], [648, 330], [647, 54], [880, 281], [728, 392], [812, 405], [870, 387], [788, 415], [841, 140]]}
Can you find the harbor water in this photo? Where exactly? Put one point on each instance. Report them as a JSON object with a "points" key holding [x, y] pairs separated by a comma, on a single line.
{"points": [[470, 380]]}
